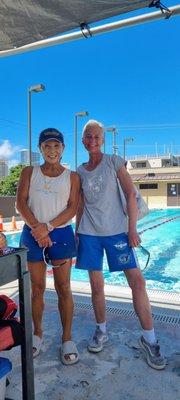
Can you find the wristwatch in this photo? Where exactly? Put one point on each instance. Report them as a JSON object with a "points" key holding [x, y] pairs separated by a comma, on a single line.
{"points": [[49, 227]]}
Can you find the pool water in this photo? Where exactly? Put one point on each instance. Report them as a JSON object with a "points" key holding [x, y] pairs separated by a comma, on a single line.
{"points": [[160, 235]]}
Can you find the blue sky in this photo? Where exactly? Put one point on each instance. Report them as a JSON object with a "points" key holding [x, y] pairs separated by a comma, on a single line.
{"points": [[128, 78]]}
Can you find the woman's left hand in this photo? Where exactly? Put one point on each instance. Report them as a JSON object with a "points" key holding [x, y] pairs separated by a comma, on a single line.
{"points": [[134, 238], [40, 231], [45, 242]]}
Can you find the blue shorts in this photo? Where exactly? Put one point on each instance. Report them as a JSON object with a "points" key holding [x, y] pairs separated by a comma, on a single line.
{"points": [[120, 256], [64, 245]]}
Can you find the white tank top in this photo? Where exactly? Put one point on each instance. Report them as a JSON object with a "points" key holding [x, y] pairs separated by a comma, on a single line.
{"points": [[48, 197]]}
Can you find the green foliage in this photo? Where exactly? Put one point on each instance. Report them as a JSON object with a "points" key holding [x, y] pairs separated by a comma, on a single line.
{"points": [[8, 184]]}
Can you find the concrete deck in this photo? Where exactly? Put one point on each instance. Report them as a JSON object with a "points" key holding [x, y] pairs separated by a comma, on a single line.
{"points": [[120, 370]]}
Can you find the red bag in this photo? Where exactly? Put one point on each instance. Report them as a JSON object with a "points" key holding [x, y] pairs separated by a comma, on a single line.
{"points": [[8, 307], [11, 333], [6, 339]]}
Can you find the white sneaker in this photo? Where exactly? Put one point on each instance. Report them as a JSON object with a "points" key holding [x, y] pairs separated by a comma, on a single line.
{"points": [[153, 356], [96, 344]]}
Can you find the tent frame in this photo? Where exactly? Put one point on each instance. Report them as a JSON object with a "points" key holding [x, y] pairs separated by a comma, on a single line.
{"points": [[87, 32]]}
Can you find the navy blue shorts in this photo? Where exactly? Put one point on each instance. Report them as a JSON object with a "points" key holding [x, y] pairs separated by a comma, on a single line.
{"points": [[120, 256], [64, 245]]}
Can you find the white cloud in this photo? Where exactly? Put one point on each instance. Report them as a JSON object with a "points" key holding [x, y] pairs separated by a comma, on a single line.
{"points": [[13, 162], [7, 149]]}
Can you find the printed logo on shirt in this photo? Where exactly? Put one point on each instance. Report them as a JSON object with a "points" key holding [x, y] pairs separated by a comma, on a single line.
{"points": [[48, 187], [95, 185]]}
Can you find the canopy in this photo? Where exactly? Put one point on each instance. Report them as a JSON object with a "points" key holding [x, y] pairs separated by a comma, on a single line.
{"points": [[31, 24], [28, 21]]}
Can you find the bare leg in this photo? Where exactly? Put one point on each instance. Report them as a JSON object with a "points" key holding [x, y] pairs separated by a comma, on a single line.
{"points": [[98, 297], [38, 283], [140, 298], [65, 300]]}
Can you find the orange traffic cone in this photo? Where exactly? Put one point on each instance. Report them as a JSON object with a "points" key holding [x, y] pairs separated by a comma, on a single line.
{"points": [[1, 223], [13, 224]]}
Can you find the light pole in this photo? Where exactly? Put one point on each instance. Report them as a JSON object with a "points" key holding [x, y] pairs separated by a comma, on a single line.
{"points": [[35, 89], [126, 140], [114, 133], [77, 114]]}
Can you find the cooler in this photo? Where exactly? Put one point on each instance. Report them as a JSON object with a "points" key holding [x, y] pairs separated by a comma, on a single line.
{"points": [[5, 368]]}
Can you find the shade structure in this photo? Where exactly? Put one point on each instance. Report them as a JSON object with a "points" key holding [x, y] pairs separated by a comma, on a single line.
{"points": [[28, 21], [27, 25]]}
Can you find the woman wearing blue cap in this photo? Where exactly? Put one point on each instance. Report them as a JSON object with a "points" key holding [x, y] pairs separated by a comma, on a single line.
{"points": [[47, 199]]}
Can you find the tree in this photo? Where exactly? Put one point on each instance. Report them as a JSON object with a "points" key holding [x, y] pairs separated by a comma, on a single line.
{"points": [[8, 184]]}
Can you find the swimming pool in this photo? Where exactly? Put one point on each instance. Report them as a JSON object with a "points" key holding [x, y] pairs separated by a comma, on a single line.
{"points": [[160, 234]]}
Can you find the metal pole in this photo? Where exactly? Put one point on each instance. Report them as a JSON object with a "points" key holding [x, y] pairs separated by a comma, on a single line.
{"points": [[75, 141], [156, 149], [140, 19], [113, 135], [124, 149], [114, 141], [104, 143], [29, 127]]}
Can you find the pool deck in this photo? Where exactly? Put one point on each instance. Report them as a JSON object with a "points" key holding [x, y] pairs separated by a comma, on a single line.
{"points": [[119, 371]]}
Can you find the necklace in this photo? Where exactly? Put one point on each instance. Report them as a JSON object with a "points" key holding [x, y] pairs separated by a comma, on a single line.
{"points": [[47, 183]]}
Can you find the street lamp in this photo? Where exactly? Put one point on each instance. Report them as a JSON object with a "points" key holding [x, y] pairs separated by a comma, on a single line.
{"points": [[31, 89], [126, 140], [77, 114], [114, 133]]}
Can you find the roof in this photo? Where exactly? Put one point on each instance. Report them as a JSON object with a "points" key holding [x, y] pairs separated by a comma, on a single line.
{"points": [[28, 21], [156, 177]]}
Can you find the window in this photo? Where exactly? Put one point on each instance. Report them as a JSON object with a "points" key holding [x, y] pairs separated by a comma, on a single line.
{"points": [[173, 189], [148, 186], [141, 165]]}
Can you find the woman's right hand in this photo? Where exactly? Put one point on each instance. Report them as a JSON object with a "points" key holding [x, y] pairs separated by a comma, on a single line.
{"points": [[134, 238]]}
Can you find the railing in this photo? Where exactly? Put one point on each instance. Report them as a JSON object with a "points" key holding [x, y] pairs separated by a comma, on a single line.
{"points": [[149, 156]]}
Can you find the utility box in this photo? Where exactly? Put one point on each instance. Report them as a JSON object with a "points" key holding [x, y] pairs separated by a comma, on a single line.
{"points": [[14, 266]]}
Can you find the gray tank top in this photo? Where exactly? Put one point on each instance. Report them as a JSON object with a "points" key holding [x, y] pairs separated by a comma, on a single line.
{"points": [[103, 214], [48, 197]]}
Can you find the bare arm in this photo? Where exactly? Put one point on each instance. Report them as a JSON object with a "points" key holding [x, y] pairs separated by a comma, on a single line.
{"points": [[130, 194], [70, 211], [22, 198]]}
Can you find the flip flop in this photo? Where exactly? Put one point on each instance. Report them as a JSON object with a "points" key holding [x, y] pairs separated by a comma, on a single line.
{"points": [[38, 345], [69, 348]]}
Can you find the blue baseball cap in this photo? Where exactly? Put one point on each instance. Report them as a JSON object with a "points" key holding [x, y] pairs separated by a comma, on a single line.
{"points": [[50, 134]]}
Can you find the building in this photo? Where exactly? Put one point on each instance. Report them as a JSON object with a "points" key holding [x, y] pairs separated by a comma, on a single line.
{"points": [[35, 157], [3, 168], [157, 178]]}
